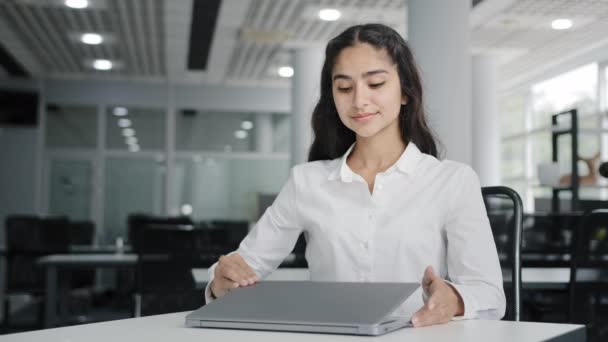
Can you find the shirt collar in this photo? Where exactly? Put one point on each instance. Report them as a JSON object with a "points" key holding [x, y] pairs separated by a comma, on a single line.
{"points": [[406, 163]]}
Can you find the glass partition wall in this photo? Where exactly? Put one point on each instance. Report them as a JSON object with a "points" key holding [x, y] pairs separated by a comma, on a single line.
{"points": [[105, 162]]}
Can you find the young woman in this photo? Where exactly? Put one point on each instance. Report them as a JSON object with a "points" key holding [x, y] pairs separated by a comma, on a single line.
{"points": [[374, 202]]}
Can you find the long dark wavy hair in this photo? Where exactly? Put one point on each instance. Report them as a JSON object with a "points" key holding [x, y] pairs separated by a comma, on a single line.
{"points": [[331, 137]]}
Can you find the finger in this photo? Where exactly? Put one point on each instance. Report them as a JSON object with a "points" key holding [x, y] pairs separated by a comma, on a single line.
{"points": [[429, 276], [233, 272], [225, 283], [222, 283], [423, 317], [251, 275], [246, 272]]}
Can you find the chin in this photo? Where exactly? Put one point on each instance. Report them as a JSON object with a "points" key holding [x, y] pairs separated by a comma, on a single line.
{"points": [[366, 132]]}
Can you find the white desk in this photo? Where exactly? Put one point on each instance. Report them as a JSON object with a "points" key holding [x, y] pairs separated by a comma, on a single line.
{"points": [[170, 327]]}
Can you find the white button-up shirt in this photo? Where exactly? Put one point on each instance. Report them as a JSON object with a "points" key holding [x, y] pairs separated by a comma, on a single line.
{"points": [[421, 212]]}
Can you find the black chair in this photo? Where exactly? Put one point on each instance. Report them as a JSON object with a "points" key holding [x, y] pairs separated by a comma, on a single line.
{"points": [[588, 296], [505, 212], [27, 239], [167, 254]]}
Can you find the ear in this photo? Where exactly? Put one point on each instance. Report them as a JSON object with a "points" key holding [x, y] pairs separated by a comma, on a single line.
{"points": [[403, 100]]}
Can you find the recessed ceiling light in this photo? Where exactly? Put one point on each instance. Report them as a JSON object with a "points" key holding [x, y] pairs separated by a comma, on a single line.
{"points": [[561, 24], [329, 14], [124, 123], [131, 140], [120, 111], [91, 38], [240, 134], [77, 3], [102, 64], [128, 132], [246, 125], [134, 148], [286, 71]]}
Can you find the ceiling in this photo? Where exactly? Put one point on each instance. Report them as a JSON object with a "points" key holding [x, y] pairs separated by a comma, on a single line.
{"points": [[149, 39]]}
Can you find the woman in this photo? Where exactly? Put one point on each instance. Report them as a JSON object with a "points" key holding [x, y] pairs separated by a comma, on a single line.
{"points": [[374, 202]]}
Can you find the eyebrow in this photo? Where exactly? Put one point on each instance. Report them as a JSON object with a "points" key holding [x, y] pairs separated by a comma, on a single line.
{"points": [[364, 75]]}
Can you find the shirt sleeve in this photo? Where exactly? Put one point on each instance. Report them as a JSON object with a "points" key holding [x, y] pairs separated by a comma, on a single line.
{"points": [[472, 261], [273, 237]]}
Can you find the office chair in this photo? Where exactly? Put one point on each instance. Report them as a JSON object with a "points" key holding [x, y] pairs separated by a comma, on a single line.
{"points": [[27, 239], [167, 253], [590, 255], [505, 212]]}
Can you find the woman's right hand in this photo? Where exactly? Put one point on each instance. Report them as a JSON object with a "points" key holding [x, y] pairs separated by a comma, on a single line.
{"points": [[231, 272]]}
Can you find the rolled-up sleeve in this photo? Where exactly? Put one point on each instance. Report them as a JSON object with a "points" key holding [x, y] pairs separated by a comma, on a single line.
{"points": [[472, 261], [272, 238]]}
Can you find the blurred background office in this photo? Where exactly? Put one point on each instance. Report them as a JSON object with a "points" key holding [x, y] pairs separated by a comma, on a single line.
{"points": [[191, 113]]}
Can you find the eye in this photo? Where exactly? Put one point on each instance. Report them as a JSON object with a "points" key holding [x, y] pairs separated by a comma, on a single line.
{"points": [[376, 85], [344, 89]]}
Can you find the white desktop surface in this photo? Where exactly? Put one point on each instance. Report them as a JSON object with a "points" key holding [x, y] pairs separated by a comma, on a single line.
{"points": [[163, 328]]}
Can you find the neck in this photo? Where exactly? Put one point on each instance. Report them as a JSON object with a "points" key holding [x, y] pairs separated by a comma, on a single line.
{"points": [[379, 152]]}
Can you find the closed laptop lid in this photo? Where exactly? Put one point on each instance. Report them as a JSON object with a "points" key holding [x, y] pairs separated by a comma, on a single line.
{"points": [[298, 302]]}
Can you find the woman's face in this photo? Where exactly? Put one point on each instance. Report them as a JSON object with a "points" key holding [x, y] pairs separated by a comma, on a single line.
{"points": [[366, 89]]}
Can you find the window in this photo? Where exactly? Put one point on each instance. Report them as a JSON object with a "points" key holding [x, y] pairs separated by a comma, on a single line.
{"points": [[526, 130], [71, 127], [223, 187], [135, 129], [574, 89]]}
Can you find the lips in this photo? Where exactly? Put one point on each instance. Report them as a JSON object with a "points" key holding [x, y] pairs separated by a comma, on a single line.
{"points": [[363, 117]]}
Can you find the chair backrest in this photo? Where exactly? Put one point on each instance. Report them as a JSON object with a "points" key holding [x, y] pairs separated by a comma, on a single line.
{"points": [[505, 212], [589, 252], [27, 239], [137, 222], [166, 255]]}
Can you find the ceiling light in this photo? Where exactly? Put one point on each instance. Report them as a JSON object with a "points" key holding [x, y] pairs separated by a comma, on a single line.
{"points": [[240, 134], [120, 111], [91, 38], [561, 24], [124, 123], [102, 64], [134, 148], [131, 140], [247, 125], [329, 14], [77, 3], [286, 71], [128, 132]]}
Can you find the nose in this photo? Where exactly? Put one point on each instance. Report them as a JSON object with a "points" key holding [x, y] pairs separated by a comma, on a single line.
{"points": [[360, 98]]}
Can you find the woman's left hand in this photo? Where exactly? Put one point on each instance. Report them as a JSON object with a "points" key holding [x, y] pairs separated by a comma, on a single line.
{"points": [[441, 301]]}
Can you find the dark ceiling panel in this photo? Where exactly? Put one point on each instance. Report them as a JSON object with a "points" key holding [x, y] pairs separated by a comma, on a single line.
{"points": [[10, 64], [202, 28]]}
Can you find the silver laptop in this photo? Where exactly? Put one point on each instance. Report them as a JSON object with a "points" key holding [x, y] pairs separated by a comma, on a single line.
{"points": [[306, 306]]}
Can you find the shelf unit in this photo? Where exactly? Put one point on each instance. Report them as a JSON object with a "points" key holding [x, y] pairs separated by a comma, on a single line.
{"points": [[574, 181]]}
